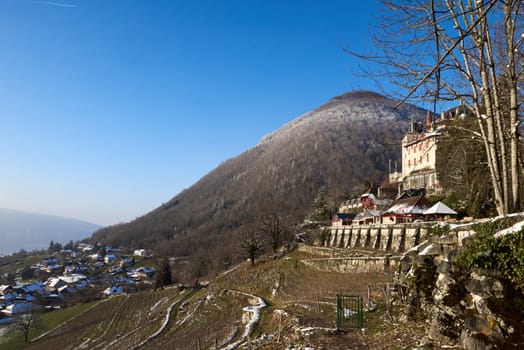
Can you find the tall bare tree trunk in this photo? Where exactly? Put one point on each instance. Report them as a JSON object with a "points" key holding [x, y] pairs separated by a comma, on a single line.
{"points": [[473, 45], [509, 21]]}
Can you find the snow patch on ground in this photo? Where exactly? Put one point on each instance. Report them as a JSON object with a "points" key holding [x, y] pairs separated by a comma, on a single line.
{"points": [[162, 327], [190, 314], [254, 310], [157, 303], [515, 228], [309, 330]]}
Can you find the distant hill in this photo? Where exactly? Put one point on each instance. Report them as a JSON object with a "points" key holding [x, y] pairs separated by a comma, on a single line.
{"points": [[335, 148], [29, 231]]}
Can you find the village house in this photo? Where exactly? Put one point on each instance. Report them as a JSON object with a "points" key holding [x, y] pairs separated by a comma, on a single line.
{"points": [[125, 261], [76, 268], [113, 290], [49, 261], [142, 272], [352, 205], [18, 308], [53, 268], [62, 284], [7, 295], [371, 207], [55, 285], [109, 258], [408, 207], [19, 299], [96, 257], [342, 219], [141, 252], [85, 247], [77, 281], [123, 281]]}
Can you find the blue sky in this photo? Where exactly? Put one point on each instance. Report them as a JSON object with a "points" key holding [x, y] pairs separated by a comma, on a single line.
{"points": [[110, 108]]}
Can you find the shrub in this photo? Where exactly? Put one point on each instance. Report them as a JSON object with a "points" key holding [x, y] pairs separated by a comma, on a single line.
{"points": [[504, 254]]}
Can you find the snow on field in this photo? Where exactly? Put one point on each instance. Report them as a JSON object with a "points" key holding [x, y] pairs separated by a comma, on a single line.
{"points": [[164, 299], [254, 310]]}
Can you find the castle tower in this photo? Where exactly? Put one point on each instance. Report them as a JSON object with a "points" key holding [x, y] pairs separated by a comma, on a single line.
{"points": [[429, 122]]}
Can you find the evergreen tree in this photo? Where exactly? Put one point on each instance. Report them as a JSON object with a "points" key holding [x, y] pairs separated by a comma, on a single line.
{"points": [[321, 213], [70, 245], [164, 274], [54, 247]]}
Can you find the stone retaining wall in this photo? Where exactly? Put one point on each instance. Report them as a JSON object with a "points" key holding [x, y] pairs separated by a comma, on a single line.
{"points": [[390, 238], [354, 264]]}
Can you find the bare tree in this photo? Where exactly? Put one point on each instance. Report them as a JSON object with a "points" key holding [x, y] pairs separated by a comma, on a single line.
{"points": [[466, 51], [251, 244], [275, 229], [28, 321]]}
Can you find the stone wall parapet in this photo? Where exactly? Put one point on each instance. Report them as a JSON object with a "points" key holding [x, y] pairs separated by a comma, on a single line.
{"points": [[386, 237]]}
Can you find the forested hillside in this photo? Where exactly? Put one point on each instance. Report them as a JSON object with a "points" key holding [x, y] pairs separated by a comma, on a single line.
{"points": [[335, 149]]}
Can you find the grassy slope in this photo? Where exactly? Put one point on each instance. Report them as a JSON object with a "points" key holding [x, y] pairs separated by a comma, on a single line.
{"points": [[48, 322]]}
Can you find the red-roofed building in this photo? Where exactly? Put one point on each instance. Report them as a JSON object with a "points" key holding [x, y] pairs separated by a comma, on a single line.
{"points": [[409, 206]]}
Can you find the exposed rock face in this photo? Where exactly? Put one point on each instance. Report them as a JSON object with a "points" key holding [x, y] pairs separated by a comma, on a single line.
{"points": [[462, 308]]}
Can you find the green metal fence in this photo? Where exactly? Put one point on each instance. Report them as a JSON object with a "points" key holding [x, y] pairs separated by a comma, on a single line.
{"points": [[349, 311]]}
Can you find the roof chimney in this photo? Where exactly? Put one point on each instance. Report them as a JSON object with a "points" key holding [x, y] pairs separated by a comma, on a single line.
{"points": [[428, 121]]}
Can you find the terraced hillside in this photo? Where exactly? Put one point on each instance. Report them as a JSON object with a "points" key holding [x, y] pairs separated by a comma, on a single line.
{"points": [[299, 310], [119, 322]]}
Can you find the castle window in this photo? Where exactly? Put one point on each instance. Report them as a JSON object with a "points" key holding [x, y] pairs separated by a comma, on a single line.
{"points": [[427, 157], [409, 163]]}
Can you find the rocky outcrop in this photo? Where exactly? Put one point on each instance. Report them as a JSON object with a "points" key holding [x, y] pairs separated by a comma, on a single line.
{"points": [[467, 309]]}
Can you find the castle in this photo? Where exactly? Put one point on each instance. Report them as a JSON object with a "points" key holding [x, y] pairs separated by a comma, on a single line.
{"points": [[419, 154], [402, 197]]}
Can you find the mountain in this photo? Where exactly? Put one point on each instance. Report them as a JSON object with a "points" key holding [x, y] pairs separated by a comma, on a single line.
{"points": [[29, 231], [335, 148]]}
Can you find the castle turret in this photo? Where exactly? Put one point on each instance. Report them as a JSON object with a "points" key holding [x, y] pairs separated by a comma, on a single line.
{"points": [[429, 122]]}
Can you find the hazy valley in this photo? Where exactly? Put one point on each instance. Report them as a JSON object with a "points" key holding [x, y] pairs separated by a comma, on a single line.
{"points": [[30, 231]]}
